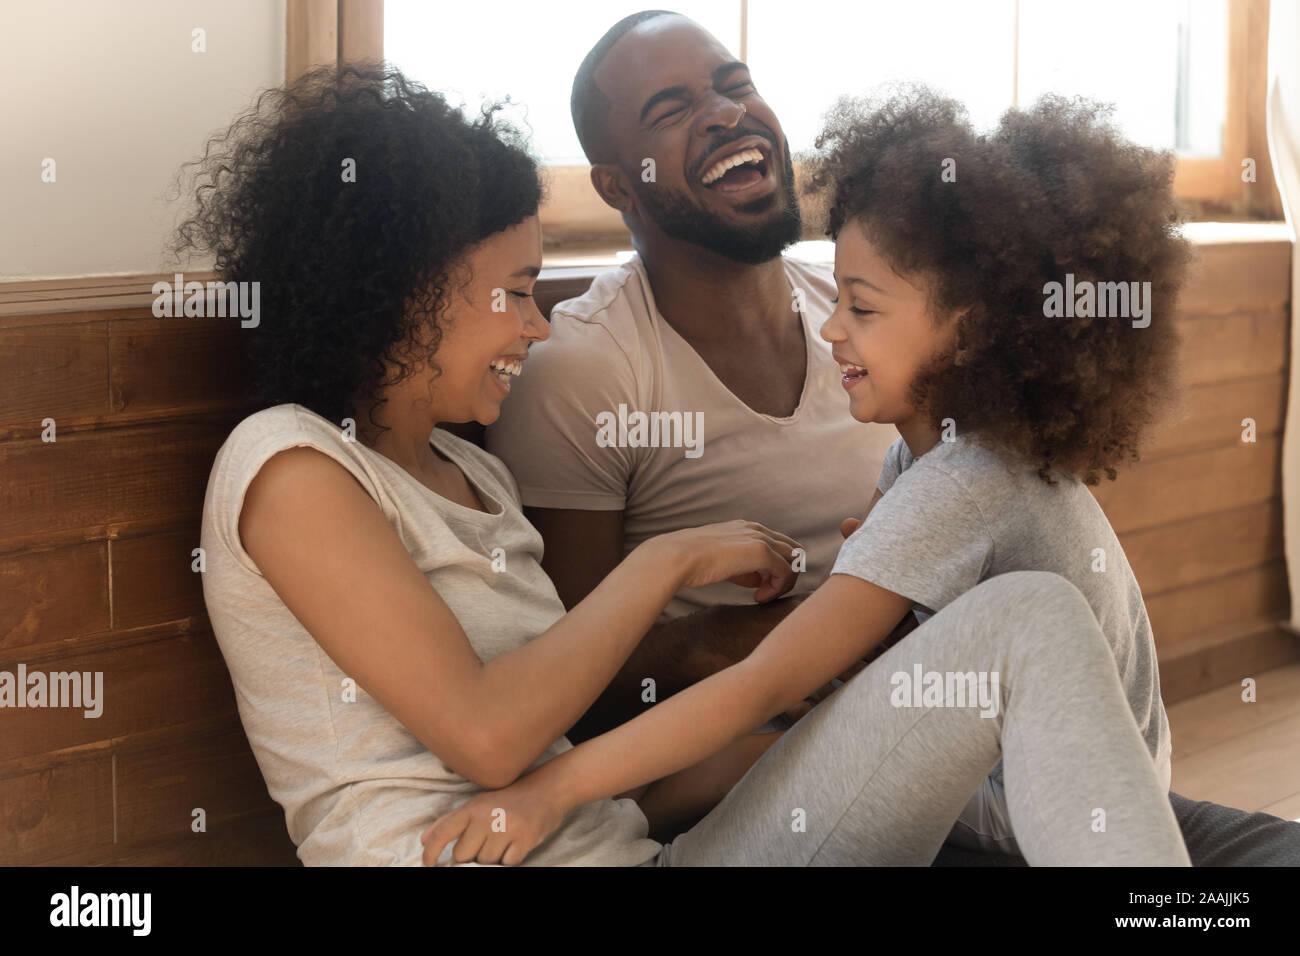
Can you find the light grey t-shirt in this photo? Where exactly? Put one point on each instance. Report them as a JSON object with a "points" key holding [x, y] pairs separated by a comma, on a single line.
{"points": [[962, 514], [357, 787]]}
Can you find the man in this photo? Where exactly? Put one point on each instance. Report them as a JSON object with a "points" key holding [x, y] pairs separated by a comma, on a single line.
{"points": [[690, 385], [702, 322]]}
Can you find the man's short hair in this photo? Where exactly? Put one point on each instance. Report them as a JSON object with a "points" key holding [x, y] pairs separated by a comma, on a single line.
{"points": [[587, 103]]}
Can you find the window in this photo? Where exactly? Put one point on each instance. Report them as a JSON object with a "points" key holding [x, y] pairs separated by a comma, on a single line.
{"points": [[1181, 72], [522, 49], [1164, 63]]}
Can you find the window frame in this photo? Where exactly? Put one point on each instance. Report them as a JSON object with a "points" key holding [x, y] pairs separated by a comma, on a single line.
{"points": [[326, 32], [1215, 184], [577, 222]]}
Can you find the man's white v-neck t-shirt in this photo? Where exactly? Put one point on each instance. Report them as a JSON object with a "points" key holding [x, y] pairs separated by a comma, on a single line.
{"points": [[616, 411]]}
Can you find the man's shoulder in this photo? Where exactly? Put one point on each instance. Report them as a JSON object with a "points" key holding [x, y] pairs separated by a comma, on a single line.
{"points": [[815, 270], [815, 280], [613, 301]]}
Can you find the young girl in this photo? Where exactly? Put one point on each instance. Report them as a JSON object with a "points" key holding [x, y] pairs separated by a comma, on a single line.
{"points": [[1031, 682]]}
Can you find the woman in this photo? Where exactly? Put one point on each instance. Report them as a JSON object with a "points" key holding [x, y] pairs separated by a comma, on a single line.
{"points": [[397, 246]]}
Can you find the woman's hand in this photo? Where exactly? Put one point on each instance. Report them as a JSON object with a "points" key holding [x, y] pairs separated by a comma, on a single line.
{"points": [[742, 552], [496, 826]]}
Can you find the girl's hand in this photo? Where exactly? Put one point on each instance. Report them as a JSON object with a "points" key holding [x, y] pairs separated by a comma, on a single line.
{"points": [[742, 552], [495, 826]]}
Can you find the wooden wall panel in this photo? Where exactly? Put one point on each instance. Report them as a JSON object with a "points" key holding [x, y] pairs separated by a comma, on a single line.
{"points": [[1259, 594], [1238, 276], [92, 479], [159, 786], [1179, 487], [141, 406], [50, 595], [145, 686], [1211, 415], [1218, 348], [1205, 547], [66, 808], [259, 839], [153, 581], [1215, 658], [176, 364], [53, 371]]}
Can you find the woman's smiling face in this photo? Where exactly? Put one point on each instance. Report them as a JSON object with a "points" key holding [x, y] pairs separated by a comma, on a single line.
{"points": [[489, 325], [881, 331]]}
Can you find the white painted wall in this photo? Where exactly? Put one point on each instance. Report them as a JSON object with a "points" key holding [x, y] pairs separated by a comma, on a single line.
{"points": [[1284, 149], [112, 91]]}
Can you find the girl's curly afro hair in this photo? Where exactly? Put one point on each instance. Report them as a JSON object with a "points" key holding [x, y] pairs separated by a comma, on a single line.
{"points": [[350, 271], [1053, 190]]}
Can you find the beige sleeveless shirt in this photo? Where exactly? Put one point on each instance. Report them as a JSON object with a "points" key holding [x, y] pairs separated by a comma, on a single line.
{"points": [[356, 786]]}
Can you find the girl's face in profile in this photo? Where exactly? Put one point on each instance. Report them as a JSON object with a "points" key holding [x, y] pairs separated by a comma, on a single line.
{"points": [[881, 331], [488, 326]]}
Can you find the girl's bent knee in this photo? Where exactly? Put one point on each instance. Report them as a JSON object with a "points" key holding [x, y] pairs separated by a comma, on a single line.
{"points": [[1026, 592], [1039, 604], [1051, 611]]}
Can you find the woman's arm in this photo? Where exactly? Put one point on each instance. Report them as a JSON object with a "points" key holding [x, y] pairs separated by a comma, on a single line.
{"points": [[338, 565], [843, 620]]}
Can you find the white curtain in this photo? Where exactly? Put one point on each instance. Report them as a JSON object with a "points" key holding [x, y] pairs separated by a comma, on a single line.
{"points": [[1284, 149]]}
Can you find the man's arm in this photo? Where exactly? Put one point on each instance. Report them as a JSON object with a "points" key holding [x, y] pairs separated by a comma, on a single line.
{"points": [[677, 802], [582, 547]]}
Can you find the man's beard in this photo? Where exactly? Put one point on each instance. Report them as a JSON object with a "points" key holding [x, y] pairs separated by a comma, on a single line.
{"points": [[683, 219]]}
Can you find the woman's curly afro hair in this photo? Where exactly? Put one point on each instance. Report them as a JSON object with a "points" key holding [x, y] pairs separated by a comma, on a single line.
{"points": [[352, 273], [1053, 190]]}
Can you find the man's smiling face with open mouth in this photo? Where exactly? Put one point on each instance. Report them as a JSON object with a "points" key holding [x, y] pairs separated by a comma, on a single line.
{"points": [[723, 173]]}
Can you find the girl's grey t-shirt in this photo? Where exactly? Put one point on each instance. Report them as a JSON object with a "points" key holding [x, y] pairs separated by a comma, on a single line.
{"points": [[962, 514], [356, 786]]}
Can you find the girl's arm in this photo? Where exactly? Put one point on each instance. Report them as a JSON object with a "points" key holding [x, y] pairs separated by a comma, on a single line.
{"points": [[678, 800], [843, 620], [332, 557]]}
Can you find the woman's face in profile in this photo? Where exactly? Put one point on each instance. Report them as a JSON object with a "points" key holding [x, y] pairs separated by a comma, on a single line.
{"points": [[489, 323]]}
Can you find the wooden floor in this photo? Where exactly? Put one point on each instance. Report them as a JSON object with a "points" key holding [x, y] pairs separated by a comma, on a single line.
{"points": [[1244, 755]]}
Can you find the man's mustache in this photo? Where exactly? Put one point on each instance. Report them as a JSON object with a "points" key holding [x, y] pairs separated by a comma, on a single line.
{"points": [[740, 134]]}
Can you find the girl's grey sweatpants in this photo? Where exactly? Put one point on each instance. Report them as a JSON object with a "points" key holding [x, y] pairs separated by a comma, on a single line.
{"points": [[869, 779]]}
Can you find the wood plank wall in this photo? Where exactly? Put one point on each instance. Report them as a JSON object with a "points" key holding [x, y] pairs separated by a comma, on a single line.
{"points": [[1200, 517], [96, 531]]}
